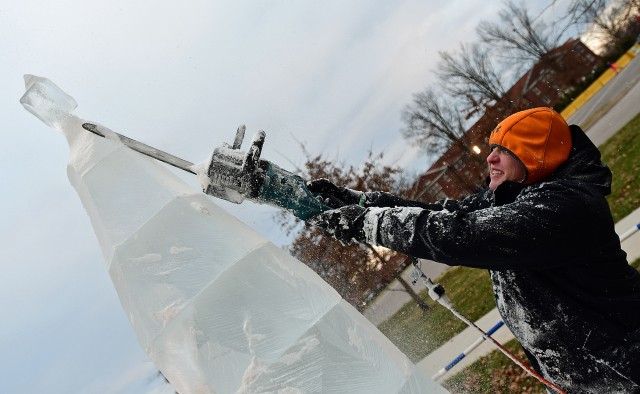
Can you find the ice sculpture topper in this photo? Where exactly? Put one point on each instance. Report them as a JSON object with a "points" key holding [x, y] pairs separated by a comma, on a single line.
{"points": [[214, 305]]}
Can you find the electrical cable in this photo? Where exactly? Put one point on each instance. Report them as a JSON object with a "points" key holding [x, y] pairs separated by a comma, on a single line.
{"points": [[437, 293]]}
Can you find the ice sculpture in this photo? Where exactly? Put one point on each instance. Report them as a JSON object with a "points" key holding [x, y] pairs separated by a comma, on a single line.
{"points": [[216, 306]]}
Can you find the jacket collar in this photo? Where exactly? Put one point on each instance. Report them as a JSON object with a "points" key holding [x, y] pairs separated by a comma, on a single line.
{"points": [[507, 192], [584, 167]]}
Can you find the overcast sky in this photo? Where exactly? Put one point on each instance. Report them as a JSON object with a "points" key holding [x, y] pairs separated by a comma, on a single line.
{"points": [[182, 76]]}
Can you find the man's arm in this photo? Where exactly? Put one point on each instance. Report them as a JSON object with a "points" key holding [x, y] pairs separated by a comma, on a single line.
{"points": [[521, 234], [347, 223], [337, 197]]}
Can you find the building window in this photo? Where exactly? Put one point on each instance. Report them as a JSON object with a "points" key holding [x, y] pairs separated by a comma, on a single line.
{"points": [[546, 100], [436, 192]]}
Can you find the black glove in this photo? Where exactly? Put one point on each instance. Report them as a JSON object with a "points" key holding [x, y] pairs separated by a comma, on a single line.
{"points": [[332, 195], [345, 224]]}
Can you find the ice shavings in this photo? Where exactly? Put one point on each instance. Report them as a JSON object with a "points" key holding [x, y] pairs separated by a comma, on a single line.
{"points": [[391, 227], [109, 134], [216, 306], [309, 345], [167, 272], [147, 258], [255, 370], [170, 311], [251, 376], [200, 208], [201, 172], [270, 378], [370, 227], [179, 249], [357, 342]]}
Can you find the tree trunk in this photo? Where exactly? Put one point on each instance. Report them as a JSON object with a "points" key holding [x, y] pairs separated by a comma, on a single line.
{"points": [[407, 287]]}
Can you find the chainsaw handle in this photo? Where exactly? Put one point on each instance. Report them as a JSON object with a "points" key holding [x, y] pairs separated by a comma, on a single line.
{"points": [[288, 191], [252, 159], [237, 142]]}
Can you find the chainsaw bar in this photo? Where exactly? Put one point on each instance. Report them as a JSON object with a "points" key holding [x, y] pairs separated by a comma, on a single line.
{"points": [[140, 147]]}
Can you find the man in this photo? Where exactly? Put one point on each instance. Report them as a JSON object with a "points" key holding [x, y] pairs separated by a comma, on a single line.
{"points": [[544, 231]]}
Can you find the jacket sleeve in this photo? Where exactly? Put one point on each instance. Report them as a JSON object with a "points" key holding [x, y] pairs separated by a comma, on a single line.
{"points": [[524, 233], [384, 200], [388, 200]]}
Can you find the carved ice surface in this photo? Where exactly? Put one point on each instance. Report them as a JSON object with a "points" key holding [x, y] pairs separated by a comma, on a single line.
{"points": [[216, 306]]}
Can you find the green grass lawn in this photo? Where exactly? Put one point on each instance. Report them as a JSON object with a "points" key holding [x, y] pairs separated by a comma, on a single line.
{"points": [[621, 152], [510, 379], [418, 333]]}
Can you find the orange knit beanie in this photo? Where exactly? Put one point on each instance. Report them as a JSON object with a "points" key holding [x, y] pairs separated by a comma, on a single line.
{"points": [[539, 137]]}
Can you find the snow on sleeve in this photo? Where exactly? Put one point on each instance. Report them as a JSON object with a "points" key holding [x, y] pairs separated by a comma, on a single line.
{"points": [[391, 227]]}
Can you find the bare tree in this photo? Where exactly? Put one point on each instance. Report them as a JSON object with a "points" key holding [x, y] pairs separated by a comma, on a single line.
{"points": [[435, 123], [520, 37], [469, 74], [608, 21]]}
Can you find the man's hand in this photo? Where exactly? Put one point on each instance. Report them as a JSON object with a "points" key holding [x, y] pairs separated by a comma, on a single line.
{"points": [[345, 224], [332, 195]]}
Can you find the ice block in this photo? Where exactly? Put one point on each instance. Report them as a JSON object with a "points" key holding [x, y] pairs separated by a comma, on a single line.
{"points": [[216, 306]]}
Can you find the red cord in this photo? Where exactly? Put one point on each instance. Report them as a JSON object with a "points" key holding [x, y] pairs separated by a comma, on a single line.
{"points": [[447, 304], [522, 365]]}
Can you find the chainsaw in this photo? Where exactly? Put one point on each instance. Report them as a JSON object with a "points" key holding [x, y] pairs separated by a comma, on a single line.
{"points": [[235, 175]]}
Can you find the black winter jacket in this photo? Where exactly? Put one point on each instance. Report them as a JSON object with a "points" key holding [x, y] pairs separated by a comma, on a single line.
{"points": [[561, 281]]}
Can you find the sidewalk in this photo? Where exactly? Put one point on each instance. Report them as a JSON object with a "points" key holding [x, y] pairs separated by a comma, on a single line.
{"points": [[450, 350], [632, 244], [394, 297]]}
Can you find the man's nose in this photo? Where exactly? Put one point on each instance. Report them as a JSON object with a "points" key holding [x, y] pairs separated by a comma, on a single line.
{"points": [[493, 157]]}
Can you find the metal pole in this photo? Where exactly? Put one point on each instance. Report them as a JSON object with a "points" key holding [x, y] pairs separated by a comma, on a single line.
{"points": [[466, 351], [437, 293], [630, 232]]}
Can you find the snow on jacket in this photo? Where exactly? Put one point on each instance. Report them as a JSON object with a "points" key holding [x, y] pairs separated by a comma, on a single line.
{"points": [[561, 281]]}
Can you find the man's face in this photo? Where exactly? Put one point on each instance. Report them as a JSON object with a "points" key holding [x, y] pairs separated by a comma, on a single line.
{"points": [[503, 167]]}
